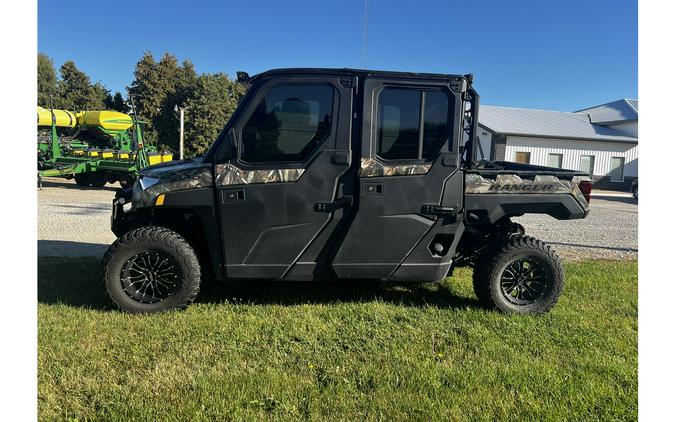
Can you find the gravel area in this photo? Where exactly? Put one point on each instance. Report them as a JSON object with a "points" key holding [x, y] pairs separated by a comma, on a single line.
{"points": [[75, 221], [609, 232]]}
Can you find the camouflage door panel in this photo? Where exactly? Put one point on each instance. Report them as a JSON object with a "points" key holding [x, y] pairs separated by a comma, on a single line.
{"points": [[229, 175]]}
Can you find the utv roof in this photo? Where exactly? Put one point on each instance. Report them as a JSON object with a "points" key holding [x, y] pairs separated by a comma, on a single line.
{"points": [[358, 73]]}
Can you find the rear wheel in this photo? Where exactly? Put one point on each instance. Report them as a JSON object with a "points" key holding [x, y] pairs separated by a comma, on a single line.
{"points": [[522, 275], [151, 269]]}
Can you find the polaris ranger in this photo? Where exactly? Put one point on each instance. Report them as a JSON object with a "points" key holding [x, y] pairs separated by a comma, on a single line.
{"points": [[342, 174]]}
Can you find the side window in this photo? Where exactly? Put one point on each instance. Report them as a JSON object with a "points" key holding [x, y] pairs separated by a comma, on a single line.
{"points": [[290, 122], [412, 123]]}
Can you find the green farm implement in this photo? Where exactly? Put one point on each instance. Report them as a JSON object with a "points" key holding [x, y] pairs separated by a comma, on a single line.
{"points": [[93, 147]]}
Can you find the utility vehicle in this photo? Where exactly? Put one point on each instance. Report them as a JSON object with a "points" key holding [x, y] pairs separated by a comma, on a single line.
{"points": [[334, 174]]}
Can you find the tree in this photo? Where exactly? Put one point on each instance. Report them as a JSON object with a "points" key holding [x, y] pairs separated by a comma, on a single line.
{"points": [[214, 100], [180, 83], [157, 88], [46, 82], [97, 96], [77, 92], [145, 88], [116, 102]]}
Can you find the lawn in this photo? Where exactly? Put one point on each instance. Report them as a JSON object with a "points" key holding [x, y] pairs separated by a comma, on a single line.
{"points": [[289, 351]]}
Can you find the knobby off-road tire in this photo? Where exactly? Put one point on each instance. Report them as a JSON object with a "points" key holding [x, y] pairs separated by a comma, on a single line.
{"points": [[151, 269], [521, 275]]}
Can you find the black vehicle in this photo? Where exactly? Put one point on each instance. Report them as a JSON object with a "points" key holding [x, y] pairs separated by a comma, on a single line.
{"points": [[329, 174]]}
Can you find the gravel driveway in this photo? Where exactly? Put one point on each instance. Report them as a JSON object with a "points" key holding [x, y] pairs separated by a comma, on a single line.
{"points": [[610, 231], [75, 221]]}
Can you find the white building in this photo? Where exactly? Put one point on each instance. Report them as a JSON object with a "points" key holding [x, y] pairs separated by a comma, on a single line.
{"points": [[600, 140]]}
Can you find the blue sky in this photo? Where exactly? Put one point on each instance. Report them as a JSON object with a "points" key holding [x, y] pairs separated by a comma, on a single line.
{"points": [[559, 55]]}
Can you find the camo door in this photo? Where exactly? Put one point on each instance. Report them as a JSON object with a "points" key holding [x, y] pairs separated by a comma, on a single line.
{"points": [[410, 190], [278, 195]]}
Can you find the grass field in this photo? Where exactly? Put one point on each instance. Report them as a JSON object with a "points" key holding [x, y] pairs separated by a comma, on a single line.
{"points": [[323, 352]]}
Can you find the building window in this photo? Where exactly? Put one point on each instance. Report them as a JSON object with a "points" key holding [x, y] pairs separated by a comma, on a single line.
{"points": [[587, 164], [616, 169], [522, 157], [555, 160], [412, 124], [289, 124]]}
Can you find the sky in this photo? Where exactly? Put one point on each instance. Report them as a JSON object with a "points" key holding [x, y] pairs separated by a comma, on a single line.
{"points": [[558, 55]]}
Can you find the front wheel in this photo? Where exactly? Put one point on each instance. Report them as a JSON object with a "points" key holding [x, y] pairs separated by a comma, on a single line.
{"points": [[151, 269], [522, 275]]}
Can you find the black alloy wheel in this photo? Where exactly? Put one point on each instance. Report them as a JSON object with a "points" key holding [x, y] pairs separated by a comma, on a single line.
{"points": [[524, 281], [150, 276]]}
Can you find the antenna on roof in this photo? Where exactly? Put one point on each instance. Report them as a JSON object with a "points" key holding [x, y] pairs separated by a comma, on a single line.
{"points": [[364, 51]]}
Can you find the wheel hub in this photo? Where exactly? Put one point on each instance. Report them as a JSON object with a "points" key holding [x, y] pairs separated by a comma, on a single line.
{"points": [[150, 276], [524, 281]]}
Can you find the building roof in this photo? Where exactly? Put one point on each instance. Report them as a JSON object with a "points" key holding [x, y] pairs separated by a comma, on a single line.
{"points": [[546, 124], [614, 112]]}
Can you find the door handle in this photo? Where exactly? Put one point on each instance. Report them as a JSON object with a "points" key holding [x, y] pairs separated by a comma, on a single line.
{"points": [[346, 200], [433, 209], [231, 195], [373, 189]]}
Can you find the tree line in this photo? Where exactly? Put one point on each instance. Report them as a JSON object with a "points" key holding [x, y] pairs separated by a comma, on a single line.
{"points": [[157, 88]]}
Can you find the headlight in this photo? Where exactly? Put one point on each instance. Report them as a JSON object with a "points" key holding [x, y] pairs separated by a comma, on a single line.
{"points": [[146, 182]]}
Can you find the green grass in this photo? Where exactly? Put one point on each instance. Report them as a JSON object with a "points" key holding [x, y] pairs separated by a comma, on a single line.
{"points": [[289, 351]]}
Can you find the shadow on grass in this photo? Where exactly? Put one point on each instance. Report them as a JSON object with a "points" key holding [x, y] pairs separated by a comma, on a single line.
{"points": [[77, 282], [71, 281], [62, 248]]}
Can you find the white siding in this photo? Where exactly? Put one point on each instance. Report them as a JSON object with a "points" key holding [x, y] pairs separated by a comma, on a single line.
{"points": [[539, 148]]}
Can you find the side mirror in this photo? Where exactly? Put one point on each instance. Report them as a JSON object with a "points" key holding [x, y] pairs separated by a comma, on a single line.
{"points": [[243, 78]]}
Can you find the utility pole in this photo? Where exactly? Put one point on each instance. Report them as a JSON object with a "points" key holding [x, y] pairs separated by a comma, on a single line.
{"points": [[181, 132], [181, 139]]}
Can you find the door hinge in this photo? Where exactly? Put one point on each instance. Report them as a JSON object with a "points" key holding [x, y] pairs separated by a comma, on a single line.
{"points": [[350, 82]]}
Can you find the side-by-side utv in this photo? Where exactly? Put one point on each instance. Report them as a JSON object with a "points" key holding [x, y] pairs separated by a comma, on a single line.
{"points": [[333, 174]]}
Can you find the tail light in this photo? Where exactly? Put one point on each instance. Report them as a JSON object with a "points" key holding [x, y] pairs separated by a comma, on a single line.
{"points": [[585, 186]]}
